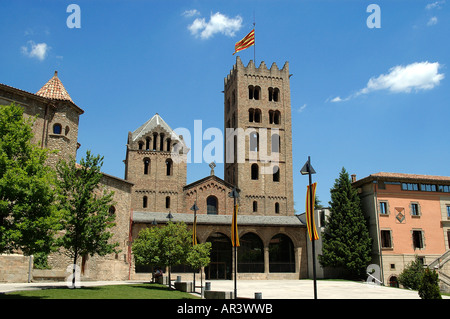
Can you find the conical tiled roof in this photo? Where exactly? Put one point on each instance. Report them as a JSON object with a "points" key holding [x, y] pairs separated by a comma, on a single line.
{"points": [[54, 89]]}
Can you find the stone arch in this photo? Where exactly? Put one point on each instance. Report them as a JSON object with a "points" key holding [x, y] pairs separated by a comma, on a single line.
{"points": [[281, 253], [250, 253], [220, 266]]}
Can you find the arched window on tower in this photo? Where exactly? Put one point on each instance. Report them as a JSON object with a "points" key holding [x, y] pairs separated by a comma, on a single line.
{"points": [[251, 115], [254, 141], [144, 202], [141, 145], [168, 142], [167, 201], [146, 166], [254, 171], [211, 205], [255, 206], [161, 142], [277, 208], [169, 167], [147, 144], [257, 115], [276, 174], [155, 138], [277, 117], [276, 143]]}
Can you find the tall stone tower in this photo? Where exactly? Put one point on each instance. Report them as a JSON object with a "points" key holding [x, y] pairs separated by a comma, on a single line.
{"points": [[156, 167], [258, 145]]}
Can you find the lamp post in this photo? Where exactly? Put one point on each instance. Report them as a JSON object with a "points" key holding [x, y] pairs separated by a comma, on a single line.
{"points": [[194, 234], [307, 169], [234, 194], [169, 216]]}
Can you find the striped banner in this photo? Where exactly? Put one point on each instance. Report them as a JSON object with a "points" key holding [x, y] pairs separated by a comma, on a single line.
{"points": [[234, 228], [311, 227], [246, 42], [194, 232]]}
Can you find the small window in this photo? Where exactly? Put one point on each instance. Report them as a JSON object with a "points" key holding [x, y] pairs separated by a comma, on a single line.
{"points": [[384, 208], [277, 208], [255, 171], [257, 116], [417, 238], [161, 142], [147, 144], [254, 141], [146, 166], [57, 129], [386, 239], [155, 137], [276, 141], [141, 145], [251, 115], [415, 209], [448, 211], [169, 167], [255, 206], [211, 205], [276, 174], [168, 202], [144, 202], [66, 130]]}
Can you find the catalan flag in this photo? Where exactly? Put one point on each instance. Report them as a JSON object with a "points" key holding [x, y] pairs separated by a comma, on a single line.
{"points": [[311, 225], [246, 42], [234, 229], [194, 232]]}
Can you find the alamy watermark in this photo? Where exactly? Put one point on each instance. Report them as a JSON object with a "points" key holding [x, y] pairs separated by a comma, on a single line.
{"points": [[237, 145]]}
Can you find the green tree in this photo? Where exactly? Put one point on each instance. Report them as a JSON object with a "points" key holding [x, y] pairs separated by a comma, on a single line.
{"points": [[346, 241], [411, 275], [85, 209], [198, 257], [168, 245], [429, 285], [28, 218]]}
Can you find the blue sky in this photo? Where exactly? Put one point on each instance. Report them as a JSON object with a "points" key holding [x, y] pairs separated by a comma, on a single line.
{"points": [[367, 99]]}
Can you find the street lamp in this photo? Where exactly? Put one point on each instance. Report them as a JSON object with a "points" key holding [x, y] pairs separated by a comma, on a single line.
{"points": [[194, 239], [169, 216], [307, 169], [234, 194]]}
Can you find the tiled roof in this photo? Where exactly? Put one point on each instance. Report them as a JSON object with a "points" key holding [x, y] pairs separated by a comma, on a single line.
{"points": [[401, 177], [151, 124], [159, 217], [54, 89]]}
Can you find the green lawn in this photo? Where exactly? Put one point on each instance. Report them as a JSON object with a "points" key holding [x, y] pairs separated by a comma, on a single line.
{"points": [[138, 291]]}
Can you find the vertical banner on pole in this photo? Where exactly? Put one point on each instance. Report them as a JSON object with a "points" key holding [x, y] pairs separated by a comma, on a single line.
{"points": [[310, 220], [234, 228]]}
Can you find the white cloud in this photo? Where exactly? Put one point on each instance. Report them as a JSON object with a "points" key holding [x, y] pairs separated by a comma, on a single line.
{"points": [[33, 50], [301, 108], [436, 4], [218, 23], [190, 13], [403, 79], [432, 21]]}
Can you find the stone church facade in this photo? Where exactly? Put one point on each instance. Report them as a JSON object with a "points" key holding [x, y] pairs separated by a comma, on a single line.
{"points": [[258, 162]]}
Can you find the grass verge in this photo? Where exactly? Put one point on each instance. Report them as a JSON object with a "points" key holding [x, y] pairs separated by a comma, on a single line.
{"points": [[137, 291]]}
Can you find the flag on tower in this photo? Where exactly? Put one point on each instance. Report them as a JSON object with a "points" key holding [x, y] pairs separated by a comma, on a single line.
{"points": [[234, 229], [245, 43], [311, 225]]}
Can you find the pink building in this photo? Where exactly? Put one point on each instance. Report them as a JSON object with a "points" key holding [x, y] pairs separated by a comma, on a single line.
{"points": [[408, 215]]}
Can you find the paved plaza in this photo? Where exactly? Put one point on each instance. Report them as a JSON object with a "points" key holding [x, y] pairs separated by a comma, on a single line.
{"points": [[270, 289]]}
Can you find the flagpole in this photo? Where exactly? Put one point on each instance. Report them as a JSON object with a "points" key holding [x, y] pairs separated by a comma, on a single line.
{"points": [[254, 43]]}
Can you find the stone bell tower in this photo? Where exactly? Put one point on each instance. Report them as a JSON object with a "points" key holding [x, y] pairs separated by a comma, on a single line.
{"points": [[153, 165], [258, 145]]}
